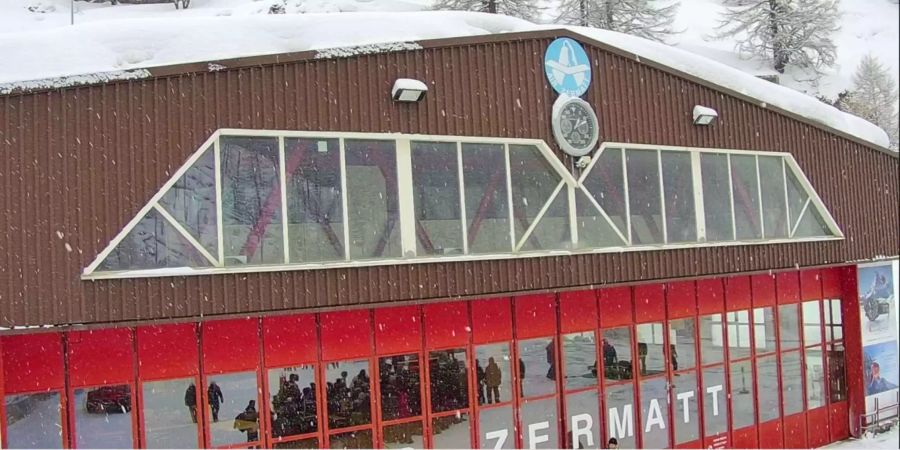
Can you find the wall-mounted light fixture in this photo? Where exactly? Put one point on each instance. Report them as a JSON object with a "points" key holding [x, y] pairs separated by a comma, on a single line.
{"points": [[704, 115], [408, 90]]}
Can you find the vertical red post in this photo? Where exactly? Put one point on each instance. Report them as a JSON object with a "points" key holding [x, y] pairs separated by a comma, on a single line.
{"points": [[856, 395]]}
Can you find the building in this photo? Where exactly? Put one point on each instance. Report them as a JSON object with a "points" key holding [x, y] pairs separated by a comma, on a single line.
{"points": [[273, 250]]}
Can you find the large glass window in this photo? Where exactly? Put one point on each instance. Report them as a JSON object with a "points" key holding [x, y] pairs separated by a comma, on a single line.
{"points": [[768, 388], [404, 435], [606, 184], [682, 342], [742, 394], [791, 383], [400, 387], [487, 207], [738, 334], [686, 407], [834, 323], [616, 350], [170, 413], [34, 421], [496, 425], [789, 326], [651, 349], [372, 200], [537, 367], [583, 425], [715, 401], [815, 378], [492, 366], [539, 423], [620, 414], [448, 380], [837, 377], [451, 431], [644, 197], [233, 414], [745, 192], [580, 354], [711, 339], [771, 181], [678, 190], [191, 201], [716, 197], [348, 394], [351, 439], [103, 417], [812, 323], [292, 396], [435, 171], [315, 208], [764, 325], [655, 413], [534, 183]]}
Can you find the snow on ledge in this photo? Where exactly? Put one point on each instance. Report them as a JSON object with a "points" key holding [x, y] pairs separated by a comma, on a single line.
{"points": [[73, 80], [370, 49]]}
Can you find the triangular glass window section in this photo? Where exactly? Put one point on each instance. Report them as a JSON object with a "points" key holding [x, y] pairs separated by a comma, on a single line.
{"points": [[534, 182], [595, 229], [605, 184], [191, 201]]}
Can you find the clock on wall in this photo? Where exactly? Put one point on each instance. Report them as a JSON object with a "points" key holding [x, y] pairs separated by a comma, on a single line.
{"points": [[575, 125]]}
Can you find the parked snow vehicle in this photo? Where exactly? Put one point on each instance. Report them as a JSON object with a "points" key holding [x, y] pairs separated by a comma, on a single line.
{"points": [[108, 399]]}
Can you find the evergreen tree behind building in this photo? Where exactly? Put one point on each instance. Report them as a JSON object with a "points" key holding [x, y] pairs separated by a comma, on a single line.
{"points": [[523, 9], [644, 18], [873, 97]]}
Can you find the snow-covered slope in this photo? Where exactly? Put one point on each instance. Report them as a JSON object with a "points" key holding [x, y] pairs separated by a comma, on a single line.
{"points": [[37, 42]]}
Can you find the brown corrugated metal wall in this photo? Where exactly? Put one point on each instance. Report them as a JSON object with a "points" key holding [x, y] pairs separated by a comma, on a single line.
{"points": [[79, 162]]}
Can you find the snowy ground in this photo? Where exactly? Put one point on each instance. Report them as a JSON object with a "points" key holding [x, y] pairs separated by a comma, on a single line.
{"points": [[889, 440]]}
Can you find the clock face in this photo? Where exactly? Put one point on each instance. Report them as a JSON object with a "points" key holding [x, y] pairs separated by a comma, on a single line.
{"points": [[575, 126]]}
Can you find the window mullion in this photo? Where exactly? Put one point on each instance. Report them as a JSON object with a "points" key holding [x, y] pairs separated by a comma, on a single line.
{"points": [[462, 199], [345, 214], [284, 215], [509, 199], [762, 218], [787, 205], [573, 215], [731, 198], [625, 190], [405, 199], [699, 211], [220, 221], [662, 197]]}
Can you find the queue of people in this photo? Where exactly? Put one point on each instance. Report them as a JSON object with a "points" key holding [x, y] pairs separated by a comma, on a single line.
{"points": [[293, 409], [349, 401]]}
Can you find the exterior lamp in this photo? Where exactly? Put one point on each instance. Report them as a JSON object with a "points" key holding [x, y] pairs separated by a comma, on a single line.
{"points": [[408, 90], [704, 116]]}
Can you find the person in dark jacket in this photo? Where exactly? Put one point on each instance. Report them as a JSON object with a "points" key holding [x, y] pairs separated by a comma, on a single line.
{"points": [[214, 393], [248, 422], [190, 400], [492, 379]]}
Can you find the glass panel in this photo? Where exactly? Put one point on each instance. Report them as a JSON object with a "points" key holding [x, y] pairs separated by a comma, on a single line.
{"points": [[835, 330], [815, 378], [745, 192], [537, 369], [682, 341], [349, 402], [812, 323], [448, 379], [764, 329], [678, 186], [539, 425], [314, 199], [351, 439], [716, 198], [552, 231], [435, 173], [837, 377], [192, 201], [789, 326], [583, 420], [686, 408], [493, 373], [487, 205], [400, 387], [791, 383], [617, 354], [232, 404], [496, 425], [738, 334], [103, 417], [404, 435], [620, 414], [796, 196], [153, 243], [767, 387], [451, 431], [742, 412], [251, 201], [580, 354], [34, 421], [644, 197], [655, 413], [170, 413], [715, 402], [711, 342], [533, 180], [812, 224], [594, 231], [651, 349], [311, 443], [292, 393], [771, 181], [372, 199], [606, 183]]}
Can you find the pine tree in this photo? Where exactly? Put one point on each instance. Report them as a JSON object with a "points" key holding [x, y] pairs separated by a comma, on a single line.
{"points": [[873, 97], [523, 9], [645, 18], [796, 32]]}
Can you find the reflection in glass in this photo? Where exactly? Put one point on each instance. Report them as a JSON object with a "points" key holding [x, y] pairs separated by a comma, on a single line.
{"points": [[791, 383], [493, 373], [812, 323], [404, 435], [833, 318], [716, 196], [768, 388], [372, 199], [436, 198], [644, 196], [742, 412], [33, 421], [606, 183], [170, 413], [103, 417], [292, 393], [347, 390], [616, 349], [583, 415], [678, 187], [580, 353], [153, 243], [836, 375], [789, 326], [537, 367], [771, 181], [711, 342], [451, 431], [764, 329], [620, 414], [233, 417], [487, 204], [682, 339], [351, 439], [539, 418], [492, 422], [715, 401], [815, 378], [448, 380], [192, 201], [686, 407], [745, 192], [310, 443], [738, 334], [651, 349], [400, 386], [533, 181], [655, 413]]}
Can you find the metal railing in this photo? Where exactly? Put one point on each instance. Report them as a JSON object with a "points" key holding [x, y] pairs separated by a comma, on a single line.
{"points": [[882, 418]]}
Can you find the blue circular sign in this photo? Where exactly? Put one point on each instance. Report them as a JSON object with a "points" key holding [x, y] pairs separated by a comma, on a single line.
{"points": [[567, 67]]}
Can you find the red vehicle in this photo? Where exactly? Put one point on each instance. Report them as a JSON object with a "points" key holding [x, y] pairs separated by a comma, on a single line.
{"points": [[109, 399]]}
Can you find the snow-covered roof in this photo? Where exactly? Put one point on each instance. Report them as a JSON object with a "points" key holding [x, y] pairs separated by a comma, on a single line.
{"points": [[110, 50]]}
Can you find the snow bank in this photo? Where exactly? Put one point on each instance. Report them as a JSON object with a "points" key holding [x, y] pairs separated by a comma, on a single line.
{"points": [[120, 45]]}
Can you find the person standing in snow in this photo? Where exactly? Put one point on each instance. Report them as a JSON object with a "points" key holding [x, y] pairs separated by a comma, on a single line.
{"points": [[214, 393], [190, 400], [492, 378]]}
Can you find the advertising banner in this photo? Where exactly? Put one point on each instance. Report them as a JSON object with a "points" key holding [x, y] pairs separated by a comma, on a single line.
{"points": [[878, 315]]}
